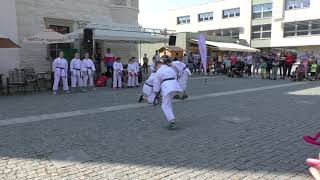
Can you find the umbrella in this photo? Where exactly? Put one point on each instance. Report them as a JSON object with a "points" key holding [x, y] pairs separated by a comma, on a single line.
{"points": [[48, 36], [7, 43]]}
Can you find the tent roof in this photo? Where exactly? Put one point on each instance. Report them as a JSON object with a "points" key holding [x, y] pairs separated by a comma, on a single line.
{"points": [[7, 43], [222, 46], [120, 35], [172, 48]]}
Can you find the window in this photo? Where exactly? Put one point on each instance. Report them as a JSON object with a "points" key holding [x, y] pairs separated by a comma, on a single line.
{"points": [[262, 11], [297, 4], [315, 27], [231, 32], [135, 3], [205, 16], [229, 13], [301, 28], [120, 2], [183, 20], [55, 48], [261, 31]]}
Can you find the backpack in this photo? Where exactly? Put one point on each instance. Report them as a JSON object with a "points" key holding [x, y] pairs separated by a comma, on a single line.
{"points": [[102, 81]]}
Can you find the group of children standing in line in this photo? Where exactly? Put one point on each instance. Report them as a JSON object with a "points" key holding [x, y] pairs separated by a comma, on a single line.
{"points": [[82, 72]]}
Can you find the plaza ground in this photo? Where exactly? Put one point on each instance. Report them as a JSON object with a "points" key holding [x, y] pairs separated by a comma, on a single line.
{"points": [[228, 129]]}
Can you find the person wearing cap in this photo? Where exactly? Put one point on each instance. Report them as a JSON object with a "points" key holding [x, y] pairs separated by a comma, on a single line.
{"points": [[88, 69], [60, 69], [117, 73], [166, 83]]}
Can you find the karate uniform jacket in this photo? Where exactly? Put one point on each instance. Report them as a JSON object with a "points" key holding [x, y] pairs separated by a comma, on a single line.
{"points": [[131, 69], [183, 72], [118, 67], [88, 67], [60, 67], [75, 66], [162, 83], [148, 85]]}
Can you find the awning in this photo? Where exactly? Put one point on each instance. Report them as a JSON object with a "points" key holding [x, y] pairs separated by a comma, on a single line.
{"points": [[222, 46], [120, 35], [7, 43]]}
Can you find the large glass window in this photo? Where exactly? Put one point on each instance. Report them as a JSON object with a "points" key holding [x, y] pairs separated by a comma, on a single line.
{"points": [[230, 32], [229, 13], [297, 4], [301, 28], [261, 31], [262, 11], [205, 16], [54, 49], [183, 20]]}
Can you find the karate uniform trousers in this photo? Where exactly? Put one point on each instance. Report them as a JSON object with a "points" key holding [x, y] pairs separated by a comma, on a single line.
{"points": [[88, 76], [76, 78], [60, 74], [184, 79], [131, 77], [136, 79], [117, 79]]}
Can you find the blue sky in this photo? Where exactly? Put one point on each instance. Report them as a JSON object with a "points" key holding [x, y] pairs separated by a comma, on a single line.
{"points": [[153, 12]]}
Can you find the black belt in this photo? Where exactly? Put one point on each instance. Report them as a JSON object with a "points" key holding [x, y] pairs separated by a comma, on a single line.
{"points": [[148, 84], [76, 69], [60, 68], [185, 68], [168, 79], [89, 67]]}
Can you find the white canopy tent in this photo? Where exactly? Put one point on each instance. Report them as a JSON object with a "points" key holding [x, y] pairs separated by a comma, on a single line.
{"points": [[222, 46]]}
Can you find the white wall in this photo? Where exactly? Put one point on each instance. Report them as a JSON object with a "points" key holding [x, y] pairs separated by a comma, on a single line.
{"points": [[218, 22], [9, 58], [278, 40]]}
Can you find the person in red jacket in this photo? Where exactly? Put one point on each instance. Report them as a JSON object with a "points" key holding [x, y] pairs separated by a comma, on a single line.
{"points": [[290, 60], [109, 60]]}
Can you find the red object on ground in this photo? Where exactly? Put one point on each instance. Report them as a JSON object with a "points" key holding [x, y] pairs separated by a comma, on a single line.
{"points": [[102, 81], [312, 140]]}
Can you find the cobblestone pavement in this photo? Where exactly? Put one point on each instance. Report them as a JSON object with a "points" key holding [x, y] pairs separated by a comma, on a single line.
{"points": [[252, 134]]}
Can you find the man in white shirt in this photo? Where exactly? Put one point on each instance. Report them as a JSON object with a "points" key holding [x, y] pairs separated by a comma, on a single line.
{"points": [[88, 70], [75, 69], [166, 83], [60, 69]]}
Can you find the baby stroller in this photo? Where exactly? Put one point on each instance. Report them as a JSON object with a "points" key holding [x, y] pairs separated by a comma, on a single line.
{"points": [[237, 69], [217, 68], [298, 74]]}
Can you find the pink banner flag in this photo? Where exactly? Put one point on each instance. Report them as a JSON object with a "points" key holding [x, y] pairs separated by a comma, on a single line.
{"points": [[203, 51]]}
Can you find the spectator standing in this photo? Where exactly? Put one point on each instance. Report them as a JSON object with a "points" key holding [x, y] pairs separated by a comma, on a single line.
{"points": [[109, 60], [157, 56], [256, 64], [145, 64], [190, 62], [185, 59], [313, 68], [269, 65], [282, 62], [249, 62], [288, 65], [275, 66], [263, 68]]}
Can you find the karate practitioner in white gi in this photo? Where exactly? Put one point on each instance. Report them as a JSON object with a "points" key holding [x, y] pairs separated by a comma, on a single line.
{"points": [[137, 70], [131, 74], [60, 69], [166, 82], [117, 73], [88, 69], [183, 73], [148, 89], [76, 74]]}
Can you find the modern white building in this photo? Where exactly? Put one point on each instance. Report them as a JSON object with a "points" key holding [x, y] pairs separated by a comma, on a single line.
{"points": [[290, 24]]}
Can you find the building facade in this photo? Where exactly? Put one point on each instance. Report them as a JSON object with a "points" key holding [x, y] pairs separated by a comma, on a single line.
{"points": [[290, 24], [33, 16]]}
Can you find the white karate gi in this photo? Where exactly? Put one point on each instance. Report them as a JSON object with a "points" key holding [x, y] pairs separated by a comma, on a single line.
{"points": [[137, 70], [148, 88], [152, 67], [169, 88], [76, 74], [60, 69], [117, 74], [131, 75], [88, 68], [183, 72]]}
